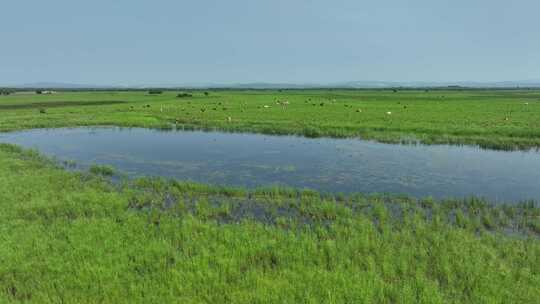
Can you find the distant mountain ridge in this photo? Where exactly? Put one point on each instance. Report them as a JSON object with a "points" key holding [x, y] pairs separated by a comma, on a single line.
{"points": [[56, 85], [267, 85]]}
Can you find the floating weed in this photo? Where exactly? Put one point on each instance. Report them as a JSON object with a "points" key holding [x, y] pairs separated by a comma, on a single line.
{"points": [[488, 221], [102, 170], [534, 225]]}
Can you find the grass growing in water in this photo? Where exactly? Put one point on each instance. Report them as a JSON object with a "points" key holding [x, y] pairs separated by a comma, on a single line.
{"points": [[102, 170], [75, 237]]}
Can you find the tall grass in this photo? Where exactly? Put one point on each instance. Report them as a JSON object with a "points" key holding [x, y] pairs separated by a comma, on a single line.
{"points": [[75, 238]]}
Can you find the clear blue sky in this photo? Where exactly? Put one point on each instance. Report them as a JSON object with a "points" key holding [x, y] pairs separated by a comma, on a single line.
{"points": [[228, 41]]}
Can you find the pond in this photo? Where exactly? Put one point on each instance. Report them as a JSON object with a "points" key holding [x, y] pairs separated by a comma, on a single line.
{"points": [[323, 164]]}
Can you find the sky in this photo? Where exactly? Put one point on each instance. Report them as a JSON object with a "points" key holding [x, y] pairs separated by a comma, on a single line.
{"points": [[131, 42]]}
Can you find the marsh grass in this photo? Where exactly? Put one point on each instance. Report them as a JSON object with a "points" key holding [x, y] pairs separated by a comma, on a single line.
{"points": [[101, 170], [76, 237]]}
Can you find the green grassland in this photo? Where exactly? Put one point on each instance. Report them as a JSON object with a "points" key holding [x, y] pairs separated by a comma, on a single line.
{"points": [[77, 238], [490, 118], [69, 237]]}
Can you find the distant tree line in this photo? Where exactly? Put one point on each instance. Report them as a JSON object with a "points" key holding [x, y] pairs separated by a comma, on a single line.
{"points": [[201, 90], [6, 92]]}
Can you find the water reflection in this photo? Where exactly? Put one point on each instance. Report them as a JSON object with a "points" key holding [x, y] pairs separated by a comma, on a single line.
{"points": [[328, 165]]}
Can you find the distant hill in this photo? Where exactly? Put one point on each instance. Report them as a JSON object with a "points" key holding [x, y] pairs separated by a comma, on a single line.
{"points": [[265, 85], [56, 85]]}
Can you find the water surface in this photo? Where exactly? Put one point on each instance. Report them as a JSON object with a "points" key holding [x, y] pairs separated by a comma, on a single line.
{"points": [[327, 165]]}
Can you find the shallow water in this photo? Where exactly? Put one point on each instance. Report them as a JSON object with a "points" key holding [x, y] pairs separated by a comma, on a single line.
{"points": [[327, 165]]}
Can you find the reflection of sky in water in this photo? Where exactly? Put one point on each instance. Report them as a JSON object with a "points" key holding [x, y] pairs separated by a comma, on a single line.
{"points": [[338, 165]]}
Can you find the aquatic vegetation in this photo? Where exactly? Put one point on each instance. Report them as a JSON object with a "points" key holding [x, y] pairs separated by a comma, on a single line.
{"points": [[77, 237], [102, 170]]}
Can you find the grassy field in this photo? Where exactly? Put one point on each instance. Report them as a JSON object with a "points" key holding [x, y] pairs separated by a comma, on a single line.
{"points": [[80, 238], [76, 238], [490, 118]]}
